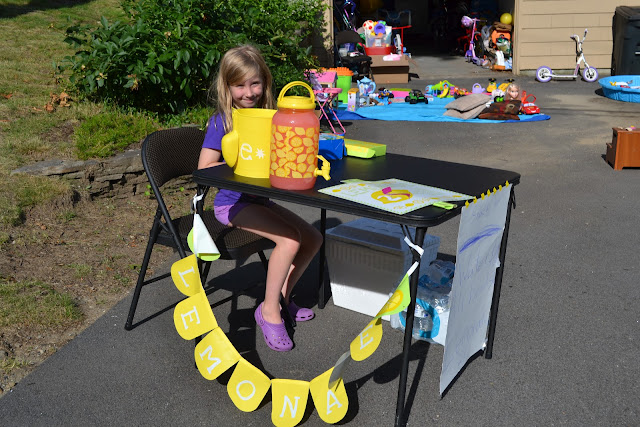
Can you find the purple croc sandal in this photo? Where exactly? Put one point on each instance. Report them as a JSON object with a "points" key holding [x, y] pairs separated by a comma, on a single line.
{"points": [[274, 334], [301, 314]]}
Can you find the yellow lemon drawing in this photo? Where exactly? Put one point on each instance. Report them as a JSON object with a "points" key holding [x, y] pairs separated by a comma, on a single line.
{"points": [[393, 196]]}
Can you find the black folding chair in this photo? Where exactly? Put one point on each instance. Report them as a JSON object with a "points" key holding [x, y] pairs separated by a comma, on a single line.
{"points": [[169, 154]]}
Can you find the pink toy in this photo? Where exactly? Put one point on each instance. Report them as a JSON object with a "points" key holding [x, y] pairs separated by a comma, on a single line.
{"points": [[325, 97]]}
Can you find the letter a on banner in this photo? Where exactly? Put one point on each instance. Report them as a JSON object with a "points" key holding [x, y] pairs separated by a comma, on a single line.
{"points": [[193, 317], [367, 341], [215, 354], [288, 401], [186, 276], [331, 403], [247, 386]]}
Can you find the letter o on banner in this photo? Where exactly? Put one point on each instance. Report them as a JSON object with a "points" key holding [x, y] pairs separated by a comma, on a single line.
{"points": [[247, 386]]}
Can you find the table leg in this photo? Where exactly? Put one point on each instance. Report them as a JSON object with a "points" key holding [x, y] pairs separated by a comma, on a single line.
{"points": [[493, 314], [413, 283], [322, 297]]}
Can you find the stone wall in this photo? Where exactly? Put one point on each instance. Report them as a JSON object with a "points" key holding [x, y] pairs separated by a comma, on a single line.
{"points": [[119, 176]]}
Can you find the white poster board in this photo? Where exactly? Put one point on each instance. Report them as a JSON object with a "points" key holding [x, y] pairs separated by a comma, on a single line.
{"points": [[479, 237]]}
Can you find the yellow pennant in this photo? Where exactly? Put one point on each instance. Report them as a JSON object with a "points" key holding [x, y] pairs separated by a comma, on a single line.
{"points": [[193, 317], [247, 386], [288, 401], [186, 276], [399, 300], [367, 341], [331, 403], [215, 354]]}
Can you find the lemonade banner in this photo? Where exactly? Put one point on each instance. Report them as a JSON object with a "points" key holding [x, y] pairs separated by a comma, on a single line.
{"points": [[392, 195], [248, 385]]}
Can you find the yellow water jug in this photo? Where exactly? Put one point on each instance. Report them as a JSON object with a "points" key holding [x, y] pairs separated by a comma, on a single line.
{"points": [[246, 147]]}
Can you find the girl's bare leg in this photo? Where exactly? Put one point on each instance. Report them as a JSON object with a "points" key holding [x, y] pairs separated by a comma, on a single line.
{"points": [[296, 244], [311, 240]]}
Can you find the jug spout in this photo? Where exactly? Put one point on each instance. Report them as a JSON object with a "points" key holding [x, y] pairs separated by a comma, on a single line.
{"points": [[324, 170]]}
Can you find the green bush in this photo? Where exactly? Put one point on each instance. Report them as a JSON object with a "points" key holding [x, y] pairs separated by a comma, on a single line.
{"points": [[106, 134], [163, 56]]}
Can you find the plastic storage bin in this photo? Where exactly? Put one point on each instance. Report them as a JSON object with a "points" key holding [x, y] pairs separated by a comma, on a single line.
{"points": [[625, 58], [367, 259]]}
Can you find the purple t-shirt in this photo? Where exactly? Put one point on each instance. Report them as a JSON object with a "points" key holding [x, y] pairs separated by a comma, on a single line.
{"points": [[227, 203]]}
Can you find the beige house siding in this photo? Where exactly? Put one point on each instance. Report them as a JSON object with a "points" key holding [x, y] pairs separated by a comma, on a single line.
{"points": [[542, 30]]}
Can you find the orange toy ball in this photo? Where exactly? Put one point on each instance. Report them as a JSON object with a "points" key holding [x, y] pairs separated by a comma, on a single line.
{"points": [[506, 18]]}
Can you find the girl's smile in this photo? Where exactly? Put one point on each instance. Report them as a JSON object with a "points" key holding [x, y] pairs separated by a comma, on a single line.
{"points": [[248, 93]]}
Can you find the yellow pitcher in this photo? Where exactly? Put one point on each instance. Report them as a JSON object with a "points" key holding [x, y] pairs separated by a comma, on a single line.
{"points": [[246, 148]]}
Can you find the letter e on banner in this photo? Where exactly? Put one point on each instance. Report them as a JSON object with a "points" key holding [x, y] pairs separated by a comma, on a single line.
{"points": [[331, 403], [193, 317], [186, 276], [215, 354], [247, 386], [288, 401], [367, 341]]}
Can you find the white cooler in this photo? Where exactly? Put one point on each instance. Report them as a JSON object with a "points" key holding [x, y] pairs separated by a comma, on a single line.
{"points": [[367, 259]]}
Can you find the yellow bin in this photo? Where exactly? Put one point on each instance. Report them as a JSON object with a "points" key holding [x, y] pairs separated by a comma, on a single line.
{"points": [[246, 148]]}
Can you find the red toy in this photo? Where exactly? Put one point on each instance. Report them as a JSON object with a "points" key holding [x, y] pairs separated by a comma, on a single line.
{"points": [[529, 107]]}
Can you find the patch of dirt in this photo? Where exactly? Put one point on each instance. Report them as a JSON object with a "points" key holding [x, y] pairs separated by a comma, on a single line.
{"points": [[91, 250]]}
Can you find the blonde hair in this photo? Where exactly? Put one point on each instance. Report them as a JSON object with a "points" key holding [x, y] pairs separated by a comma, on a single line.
{"points": [[237, 65]]}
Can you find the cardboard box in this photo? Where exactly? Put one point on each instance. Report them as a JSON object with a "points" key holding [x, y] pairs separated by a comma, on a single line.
{"points": [[352, 100], [624, 149], [385, 72], [367, 259]]}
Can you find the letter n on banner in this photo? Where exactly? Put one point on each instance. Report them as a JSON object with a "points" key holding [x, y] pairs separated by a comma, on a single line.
{"points": [[288, 401], [332, 403], [247, 386], [193, 317]]}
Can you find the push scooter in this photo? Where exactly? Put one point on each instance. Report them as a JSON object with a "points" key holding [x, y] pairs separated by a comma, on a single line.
{"points": [[470, 54], [589, 74]]}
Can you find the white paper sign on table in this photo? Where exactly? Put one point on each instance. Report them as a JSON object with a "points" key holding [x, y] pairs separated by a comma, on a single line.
{"points": [[479, 238]]}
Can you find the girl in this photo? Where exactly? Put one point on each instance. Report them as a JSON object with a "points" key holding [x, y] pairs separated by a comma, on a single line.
{"points": [[244, 81]]}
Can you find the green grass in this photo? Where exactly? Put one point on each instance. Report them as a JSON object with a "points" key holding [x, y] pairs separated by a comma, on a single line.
{"points": [[35, 304], [10, 363], [33, 33], [106, 134]]}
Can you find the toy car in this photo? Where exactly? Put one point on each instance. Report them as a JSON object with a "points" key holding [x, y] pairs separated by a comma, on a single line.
{"points": [[385, 93], [529, 107], [415, 96]]}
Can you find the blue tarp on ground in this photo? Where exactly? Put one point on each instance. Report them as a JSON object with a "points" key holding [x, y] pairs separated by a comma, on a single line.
{"points": [[431, 112]]}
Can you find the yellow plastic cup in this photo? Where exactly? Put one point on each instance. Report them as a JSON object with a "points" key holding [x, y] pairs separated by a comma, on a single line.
{"points": [[246, 148]]}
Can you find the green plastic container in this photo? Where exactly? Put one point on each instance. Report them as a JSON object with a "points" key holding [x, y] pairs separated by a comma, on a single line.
{"points": [[344, 83]]}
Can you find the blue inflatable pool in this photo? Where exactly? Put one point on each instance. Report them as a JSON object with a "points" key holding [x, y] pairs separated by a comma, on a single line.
{"points": [[621, 88]]}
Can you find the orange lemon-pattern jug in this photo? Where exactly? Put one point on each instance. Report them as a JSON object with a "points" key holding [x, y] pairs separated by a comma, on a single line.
{"points": [[295, 131]]}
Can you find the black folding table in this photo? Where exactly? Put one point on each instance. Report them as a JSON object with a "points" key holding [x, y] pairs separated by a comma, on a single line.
{"points": [[458, 177]]}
